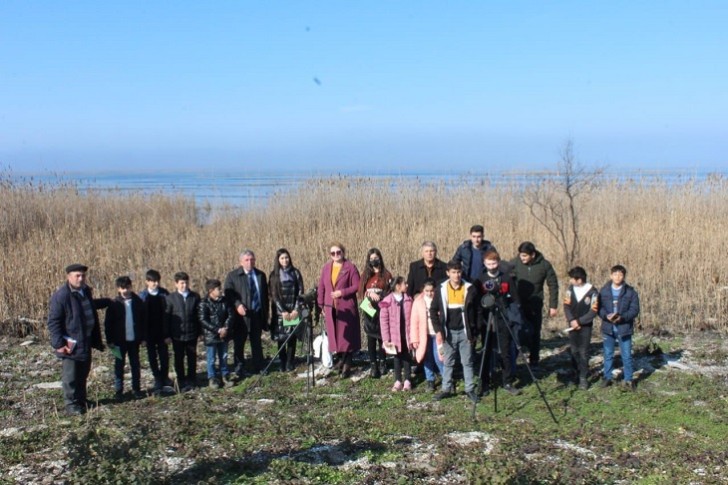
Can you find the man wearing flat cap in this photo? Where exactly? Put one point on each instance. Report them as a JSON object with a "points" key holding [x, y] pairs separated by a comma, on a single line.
{"points": [[74, 329]]}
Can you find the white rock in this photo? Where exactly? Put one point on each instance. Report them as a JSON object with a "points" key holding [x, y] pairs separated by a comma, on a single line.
{"points": [[27, 342], [9, 432], [49, 385], [474, 437]]}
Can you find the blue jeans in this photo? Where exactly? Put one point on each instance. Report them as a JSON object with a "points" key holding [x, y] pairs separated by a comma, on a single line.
{"points": [[625, 350], [433, 365], [456, 342], [132, 350], [221, 352]]}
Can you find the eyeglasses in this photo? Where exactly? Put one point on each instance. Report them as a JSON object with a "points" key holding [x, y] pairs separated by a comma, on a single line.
{"points": [[336, 253]]}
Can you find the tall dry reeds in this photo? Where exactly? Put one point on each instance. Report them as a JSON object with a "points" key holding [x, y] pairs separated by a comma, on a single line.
{"points": [[669, 236]]}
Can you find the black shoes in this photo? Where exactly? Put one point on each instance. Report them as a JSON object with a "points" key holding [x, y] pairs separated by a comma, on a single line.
{"points": [[473, 396], [442, 395], [75, 410], [431, 386], [605, 383]]}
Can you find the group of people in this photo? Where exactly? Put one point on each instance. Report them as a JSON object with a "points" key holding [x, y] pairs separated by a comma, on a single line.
{"points": [[434, 316]]}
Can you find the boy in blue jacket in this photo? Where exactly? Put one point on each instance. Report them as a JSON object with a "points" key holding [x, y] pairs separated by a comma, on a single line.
{"points": [[619, 306]]}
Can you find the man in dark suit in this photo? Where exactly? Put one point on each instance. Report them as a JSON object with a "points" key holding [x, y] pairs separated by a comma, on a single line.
{"points": [[429, 267], [246, 288]]}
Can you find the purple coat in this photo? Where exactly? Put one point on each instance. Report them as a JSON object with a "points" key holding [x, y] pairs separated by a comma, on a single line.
{"points": [[344, 333], [390, 320]]}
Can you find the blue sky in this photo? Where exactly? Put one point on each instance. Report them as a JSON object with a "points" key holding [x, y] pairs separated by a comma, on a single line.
{"points": [[381, 86]]}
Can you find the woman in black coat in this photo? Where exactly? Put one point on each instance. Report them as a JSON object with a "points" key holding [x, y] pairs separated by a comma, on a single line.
{"points": [[286, 292]]}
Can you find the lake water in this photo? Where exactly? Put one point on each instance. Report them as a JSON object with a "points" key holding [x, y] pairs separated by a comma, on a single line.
{"points": [[241, 189]]}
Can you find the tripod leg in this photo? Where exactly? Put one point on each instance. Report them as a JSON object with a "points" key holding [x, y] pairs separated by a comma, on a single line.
{"points": [[528, 366], [285, 343], [482, 365]]}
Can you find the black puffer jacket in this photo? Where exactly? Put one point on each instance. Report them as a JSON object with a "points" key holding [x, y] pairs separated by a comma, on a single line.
{"points": [[285, 297], [181, 320], [214, 315]]}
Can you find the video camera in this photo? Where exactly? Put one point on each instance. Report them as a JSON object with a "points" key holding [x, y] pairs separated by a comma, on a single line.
{"points": [[494, 291], [310, 306]]}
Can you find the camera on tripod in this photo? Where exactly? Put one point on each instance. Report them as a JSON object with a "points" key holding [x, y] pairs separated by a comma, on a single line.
{"points": [[310, 307], [494, 294]]}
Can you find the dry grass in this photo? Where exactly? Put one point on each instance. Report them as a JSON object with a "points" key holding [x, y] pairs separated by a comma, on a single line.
{"points": [[670, 237]]}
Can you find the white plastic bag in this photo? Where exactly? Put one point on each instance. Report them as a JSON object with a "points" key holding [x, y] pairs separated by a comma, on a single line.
{"points": [[321, 350]]}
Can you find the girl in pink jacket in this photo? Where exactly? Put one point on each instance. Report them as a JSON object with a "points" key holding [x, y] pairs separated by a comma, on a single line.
{"points": [[394, 321]]}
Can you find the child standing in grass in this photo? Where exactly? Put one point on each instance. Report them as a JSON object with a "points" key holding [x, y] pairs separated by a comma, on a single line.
{"points": [[581, 304], [154, 298], [126, 330], [216, 319], [423, 334], [394, 319], [182, 327], [619, 305]]}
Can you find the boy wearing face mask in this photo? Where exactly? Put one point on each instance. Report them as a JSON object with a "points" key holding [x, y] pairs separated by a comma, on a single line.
{"points": [[374, 286]]}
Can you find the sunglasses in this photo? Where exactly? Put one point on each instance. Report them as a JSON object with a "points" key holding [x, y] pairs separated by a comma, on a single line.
{"points": [[336, 253]]}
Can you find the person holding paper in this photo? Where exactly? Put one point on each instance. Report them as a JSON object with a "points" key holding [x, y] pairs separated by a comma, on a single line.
{"points": [[619, 306], [395, 311], [581, 305], [286, 298], [336, 295], [74, 329], [126, 331], [373, 287]]}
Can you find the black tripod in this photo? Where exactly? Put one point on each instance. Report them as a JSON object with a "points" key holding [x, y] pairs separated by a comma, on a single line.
{"points": [[496, 308], [309, 313]]}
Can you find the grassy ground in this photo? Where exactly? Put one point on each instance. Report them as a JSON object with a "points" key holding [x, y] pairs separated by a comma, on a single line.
{"points": [[671, 430]]}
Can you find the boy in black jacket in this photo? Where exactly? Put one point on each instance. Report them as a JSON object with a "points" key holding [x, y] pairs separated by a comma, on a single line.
{"points": [[581, 304], [155, 301], [182, 328], [126, 330], [216, 318]]}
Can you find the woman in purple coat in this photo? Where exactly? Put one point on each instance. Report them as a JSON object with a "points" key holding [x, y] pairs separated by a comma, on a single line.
{"points": [[337, 296]]}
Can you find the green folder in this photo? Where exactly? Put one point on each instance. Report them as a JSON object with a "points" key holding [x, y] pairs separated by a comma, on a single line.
{"points": [[115, 351], [291, 323], [366, 306]]}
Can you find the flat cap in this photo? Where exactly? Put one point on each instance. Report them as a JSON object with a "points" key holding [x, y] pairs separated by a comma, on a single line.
{"points": [[76, 267]]}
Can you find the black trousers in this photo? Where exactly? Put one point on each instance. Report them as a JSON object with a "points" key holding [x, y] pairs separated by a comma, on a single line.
{"points": [[288, 353], [376, 351], [185, 349], [534, 318], [402, 361], [579, 341], [500, 341], [248, 327], [158, 354], [74, 375]]}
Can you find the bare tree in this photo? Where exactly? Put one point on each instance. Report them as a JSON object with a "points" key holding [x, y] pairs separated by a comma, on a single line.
{"points": [[553, 200]]}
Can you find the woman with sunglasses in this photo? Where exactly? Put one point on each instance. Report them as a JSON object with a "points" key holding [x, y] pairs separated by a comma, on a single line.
{"points": [[337, 290]]}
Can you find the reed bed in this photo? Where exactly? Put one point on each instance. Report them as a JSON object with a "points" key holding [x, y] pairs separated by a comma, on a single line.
{"points": [[670, 236]]}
